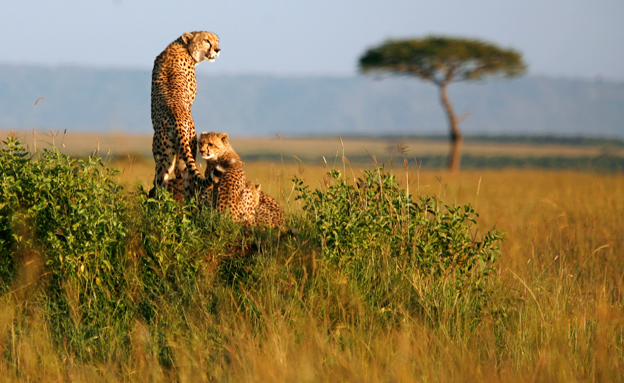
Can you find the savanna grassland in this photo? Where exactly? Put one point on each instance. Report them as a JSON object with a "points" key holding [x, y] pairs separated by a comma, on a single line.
{"points": [[398, 272]]}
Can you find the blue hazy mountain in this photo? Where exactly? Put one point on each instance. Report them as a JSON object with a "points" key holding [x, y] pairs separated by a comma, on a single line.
{"points": [[115, 100]]}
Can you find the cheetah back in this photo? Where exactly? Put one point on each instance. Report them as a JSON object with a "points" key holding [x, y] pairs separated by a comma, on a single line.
{"points": [[269, 212]]}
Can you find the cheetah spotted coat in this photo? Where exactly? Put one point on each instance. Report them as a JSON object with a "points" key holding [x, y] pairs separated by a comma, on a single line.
{"points": [[174, 87]]}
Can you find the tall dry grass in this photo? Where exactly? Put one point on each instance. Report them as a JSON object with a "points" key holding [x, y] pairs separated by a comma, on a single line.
{"points": [[556, 315]]}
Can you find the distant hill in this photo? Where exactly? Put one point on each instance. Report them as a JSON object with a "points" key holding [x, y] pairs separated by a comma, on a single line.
{"points": [[111, 100]]}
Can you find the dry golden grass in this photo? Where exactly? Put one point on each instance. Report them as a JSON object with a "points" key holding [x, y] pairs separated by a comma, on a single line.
{"points": [[561, 262], [561, 272]]}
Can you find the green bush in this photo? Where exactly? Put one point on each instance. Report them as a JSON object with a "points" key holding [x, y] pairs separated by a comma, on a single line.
{"points": [[171, 240], [388, 244], [71, 213], [183, 248], [177, 239], [109, 259]]}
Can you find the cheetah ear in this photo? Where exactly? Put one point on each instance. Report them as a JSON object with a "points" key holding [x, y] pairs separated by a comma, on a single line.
{"points": [[187, 36], [258, 186], [224, 138]]}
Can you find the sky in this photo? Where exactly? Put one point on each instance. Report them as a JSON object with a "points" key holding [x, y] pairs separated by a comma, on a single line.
{"points": [[562, 38]]}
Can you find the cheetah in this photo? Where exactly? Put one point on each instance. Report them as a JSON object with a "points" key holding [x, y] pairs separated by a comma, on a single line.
{"points": [[253, 207], [231, 191], [174, 87], [250, 198], [175, 187], [268, 212]]}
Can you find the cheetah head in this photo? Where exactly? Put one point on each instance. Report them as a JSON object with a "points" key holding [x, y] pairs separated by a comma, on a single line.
{"points": [[202, 45], [212, 145]]}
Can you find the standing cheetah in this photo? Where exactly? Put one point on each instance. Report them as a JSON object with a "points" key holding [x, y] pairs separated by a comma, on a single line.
{"points": [[173, 92]]}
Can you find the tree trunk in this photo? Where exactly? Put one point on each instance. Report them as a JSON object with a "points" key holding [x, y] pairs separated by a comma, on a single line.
{"points": [[456, 136]]}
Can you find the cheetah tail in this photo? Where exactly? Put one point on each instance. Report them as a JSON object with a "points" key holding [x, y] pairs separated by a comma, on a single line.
{"points": [[189, 159]]}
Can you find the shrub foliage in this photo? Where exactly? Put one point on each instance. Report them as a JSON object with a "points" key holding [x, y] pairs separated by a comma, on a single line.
{"points": [[71, 213], [384, 241]]}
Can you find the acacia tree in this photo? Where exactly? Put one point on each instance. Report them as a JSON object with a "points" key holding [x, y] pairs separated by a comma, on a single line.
{"points": [[443, 60]]}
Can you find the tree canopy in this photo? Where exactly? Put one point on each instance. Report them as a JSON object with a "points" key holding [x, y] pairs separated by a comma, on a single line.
{"points": [[443, 59]]}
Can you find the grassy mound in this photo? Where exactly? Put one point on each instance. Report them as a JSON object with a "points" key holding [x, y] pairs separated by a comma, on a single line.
{"points": [[100, 283]]}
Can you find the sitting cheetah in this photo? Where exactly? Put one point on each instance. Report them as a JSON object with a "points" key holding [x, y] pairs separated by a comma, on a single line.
{"points": [[231, 189], [250, 198], [268, 212], [173, 91]]}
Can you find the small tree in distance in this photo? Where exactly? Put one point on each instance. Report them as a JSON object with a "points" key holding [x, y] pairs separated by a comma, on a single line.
{"points": [[443, 60]]}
